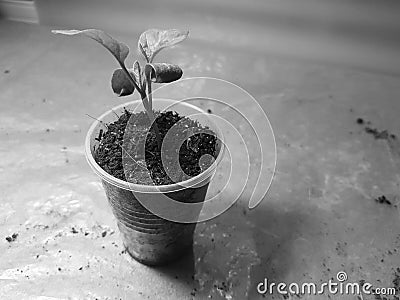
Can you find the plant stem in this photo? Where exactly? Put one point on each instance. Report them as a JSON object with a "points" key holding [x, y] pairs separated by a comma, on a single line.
{"points": [[147, 103], [150, 111], [140, 90], [149, 92], [133, 81], [157, 131]]}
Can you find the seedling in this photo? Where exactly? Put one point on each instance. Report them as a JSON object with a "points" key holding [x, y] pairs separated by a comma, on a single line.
{"points": [[125, 81]]}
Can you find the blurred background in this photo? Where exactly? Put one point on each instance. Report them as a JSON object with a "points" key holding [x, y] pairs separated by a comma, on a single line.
{"points": [[357, 33]]}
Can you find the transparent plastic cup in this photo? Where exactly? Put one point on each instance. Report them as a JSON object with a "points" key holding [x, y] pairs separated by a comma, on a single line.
{"points": [[148, 238]]}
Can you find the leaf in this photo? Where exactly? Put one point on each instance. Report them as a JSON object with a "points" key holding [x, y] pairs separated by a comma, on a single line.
{"points": [[118, 49], [163, 72], [137, 72], [120, 83], [153, 40]]}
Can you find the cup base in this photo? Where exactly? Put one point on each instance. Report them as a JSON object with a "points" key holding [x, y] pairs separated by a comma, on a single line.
{"points": [[157, 249]]}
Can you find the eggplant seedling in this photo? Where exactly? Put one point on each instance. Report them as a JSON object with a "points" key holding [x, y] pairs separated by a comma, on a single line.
{"points": [[125, 81]]}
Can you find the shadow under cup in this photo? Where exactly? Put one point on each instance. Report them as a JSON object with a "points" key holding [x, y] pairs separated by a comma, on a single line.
{"points": [[149, 238]]}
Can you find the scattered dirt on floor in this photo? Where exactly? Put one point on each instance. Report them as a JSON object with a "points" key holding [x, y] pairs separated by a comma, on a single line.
{"points": [[396, 282], [384, 134], [383, 200], [341, 249], [12, 237], [376, 133]]}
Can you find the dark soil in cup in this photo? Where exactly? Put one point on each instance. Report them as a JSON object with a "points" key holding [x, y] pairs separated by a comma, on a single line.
{"points": [[139, 160]]}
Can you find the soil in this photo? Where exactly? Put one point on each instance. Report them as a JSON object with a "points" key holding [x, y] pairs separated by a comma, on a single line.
{"points": [[12, 238], [376, 133], [360, 121], [142, 163], [396, 281], [383, 200]]}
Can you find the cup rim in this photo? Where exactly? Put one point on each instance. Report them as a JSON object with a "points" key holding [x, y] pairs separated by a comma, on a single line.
{"points": [[200, 179]]}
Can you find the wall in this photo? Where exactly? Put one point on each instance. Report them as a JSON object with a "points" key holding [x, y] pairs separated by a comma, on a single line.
{"points": [[357, 33]]}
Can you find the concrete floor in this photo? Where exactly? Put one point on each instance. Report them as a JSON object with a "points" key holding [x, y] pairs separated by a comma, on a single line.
{"points": [[319, 217]]}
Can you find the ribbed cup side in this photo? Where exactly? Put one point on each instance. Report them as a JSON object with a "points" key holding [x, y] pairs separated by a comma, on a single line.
{"points": [[147, 237]]}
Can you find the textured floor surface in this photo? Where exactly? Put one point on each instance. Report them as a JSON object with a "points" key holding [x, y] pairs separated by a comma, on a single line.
{"points": [[323, 214]]}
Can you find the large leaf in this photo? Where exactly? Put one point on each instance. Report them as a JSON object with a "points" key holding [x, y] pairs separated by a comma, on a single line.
{"points": [[121, 84], [153, 40], [118, 49], [163, 72]]}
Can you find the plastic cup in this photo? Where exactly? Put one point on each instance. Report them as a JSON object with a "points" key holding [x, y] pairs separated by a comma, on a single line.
{"points": [[148, 238]]}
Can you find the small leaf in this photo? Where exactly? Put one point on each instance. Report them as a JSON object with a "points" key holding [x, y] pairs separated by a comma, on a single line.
{"points": [[118, 49], [137, 72], [143, 52], [163, 72], [120, 84], [153, 40]]}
